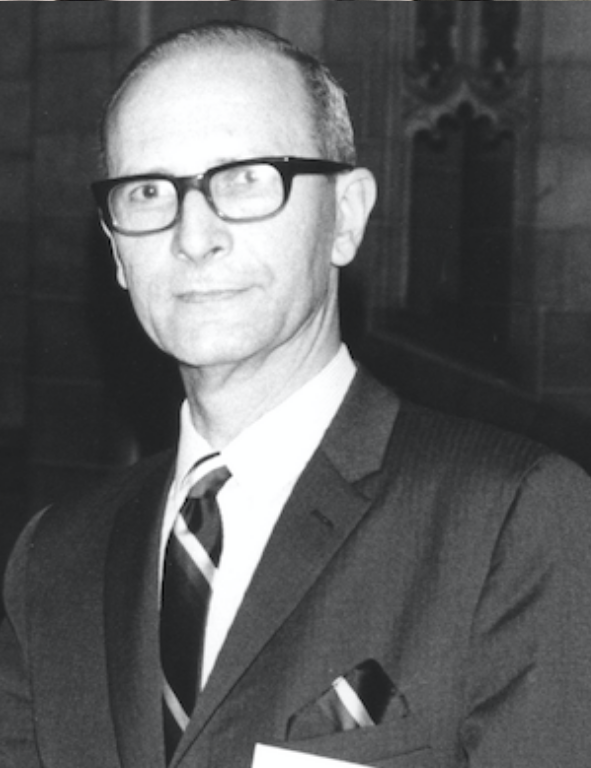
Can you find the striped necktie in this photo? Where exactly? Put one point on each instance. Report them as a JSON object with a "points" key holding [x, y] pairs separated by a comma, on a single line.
{"points": [[192, 556]]}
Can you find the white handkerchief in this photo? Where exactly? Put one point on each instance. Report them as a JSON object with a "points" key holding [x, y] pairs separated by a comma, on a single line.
{"points": [[275, 757]]}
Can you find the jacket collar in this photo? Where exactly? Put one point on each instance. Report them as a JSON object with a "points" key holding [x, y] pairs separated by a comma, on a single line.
{"points": [[132, 621]]}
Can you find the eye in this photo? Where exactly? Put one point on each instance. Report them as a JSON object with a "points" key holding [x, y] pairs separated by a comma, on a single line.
{"points": [[145, 192], [243, 176], [245, 182]]}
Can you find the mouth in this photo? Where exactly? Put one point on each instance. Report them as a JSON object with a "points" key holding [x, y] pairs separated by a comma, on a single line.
{"points": [[206, 296]]}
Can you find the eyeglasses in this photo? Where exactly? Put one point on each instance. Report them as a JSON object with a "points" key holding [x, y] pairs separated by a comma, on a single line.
{"points": [[242, 191]]}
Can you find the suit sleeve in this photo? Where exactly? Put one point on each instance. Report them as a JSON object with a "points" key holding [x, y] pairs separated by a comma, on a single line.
{"points": [[17, 733], [528, 685]]}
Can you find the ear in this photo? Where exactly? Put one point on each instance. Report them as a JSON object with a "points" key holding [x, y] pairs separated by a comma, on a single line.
{"points": [[356, 194], [120, 270]]}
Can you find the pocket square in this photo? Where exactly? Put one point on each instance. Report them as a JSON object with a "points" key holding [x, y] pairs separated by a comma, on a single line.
{"points": [[361, 698]]}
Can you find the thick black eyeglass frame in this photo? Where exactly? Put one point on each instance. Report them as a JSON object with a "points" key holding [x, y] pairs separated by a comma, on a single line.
{"points": [[288, 167]]}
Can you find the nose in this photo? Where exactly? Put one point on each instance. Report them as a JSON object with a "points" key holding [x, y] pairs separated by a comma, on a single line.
{"points": [[200, 233]]}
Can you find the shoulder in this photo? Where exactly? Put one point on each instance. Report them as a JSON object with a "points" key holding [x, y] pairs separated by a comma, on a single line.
{"points": [[82, 522], [410, 434], [437, 449], [445, 440], [488, 483]]}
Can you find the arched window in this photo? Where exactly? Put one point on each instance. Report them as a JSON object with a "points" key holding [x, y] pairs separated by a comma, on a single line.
{"points": [[461, 130]]}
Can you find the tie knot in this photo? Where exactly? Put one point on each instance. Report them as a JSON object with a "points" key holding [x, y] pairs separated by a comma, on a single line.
{"points": [[209, 484], [207, 476]]}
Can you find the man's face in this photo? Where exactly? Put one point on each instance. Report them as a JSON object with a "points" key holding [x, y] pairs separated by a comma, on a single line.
{"points": [[209, 292]]}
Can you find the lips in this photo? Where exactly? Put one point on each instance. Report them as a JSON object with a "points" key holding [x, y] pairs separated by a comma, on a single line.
{"points": [[202, 296]]}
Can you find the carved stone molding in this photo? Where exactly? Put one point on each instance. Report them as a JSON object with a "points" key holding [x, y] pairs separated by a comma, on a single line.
{"points": [[465, 54]]}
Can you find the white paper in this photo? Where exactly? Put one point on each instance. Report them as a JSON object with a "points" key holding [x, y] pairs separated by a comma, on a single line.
{"points": [[275, 757]]}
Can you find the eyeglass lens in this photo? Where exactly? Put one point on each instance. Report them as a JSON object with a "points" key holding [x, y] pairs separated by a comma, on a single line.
{"points": [[238, 193]]}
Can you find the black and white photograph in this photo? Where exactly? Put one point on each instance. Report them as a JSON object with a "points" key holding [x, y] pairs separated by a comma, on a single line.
{"points": [[295, 384]]}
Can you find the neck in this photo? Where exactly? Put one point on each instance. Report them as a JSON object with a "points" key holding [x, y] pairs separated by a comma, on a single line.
{"points": [[225, 400]]}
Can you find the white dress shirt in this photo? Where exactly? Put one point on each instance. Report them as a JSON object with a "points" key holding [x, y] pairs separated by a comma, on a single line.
{"points": [[265, 461]]}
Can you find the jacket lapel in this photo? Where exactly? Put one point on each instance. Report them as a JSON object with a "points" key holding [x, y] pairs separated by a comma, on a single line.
{"points": [[131, 624], [330, 499]]}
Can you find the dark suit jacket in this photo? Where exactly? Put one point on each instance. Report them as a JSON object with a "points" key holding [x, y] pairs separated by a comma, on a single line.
{"points": [[456, 556]]}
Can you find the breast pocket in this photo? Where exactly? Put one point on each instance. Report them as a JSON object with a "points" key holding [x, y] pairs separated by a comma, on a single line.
{"points": [[399, 744]]}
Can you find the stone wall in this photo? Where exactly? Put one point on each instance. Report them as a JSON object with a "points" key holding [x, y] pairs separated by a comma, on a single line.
{"points": [[81, 390]]}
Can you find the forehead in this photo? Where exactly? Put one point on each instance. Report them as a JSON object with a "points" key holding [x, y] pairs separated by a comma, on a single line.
{"points": [[223, 99]]}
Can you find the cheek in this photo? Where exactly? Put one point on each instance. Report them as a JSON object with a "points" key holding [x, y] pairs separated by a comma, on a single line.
{"points": [[303, 246], [146, 289], [300, 289], [137, 262], [307, 267]]}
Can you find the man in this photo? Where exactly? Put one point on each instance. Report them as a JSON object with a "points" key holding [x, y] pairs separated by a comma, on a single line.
{"points": [[387, 586]]}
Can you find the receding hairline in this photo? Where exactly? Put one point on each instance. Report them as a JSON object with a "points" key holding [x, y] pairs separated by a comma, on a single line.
{"points": [[331, 127], [176, 56]]}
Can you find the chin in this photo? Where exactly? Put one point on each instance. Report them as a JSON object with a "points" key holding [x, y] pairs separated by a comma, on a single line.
{"points": [[216, 355], [219, 344]]}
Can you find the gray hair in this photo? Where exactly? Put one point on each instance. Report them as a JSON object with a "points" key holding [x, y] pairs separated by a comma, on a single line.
{"points": [[329, 112]]}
